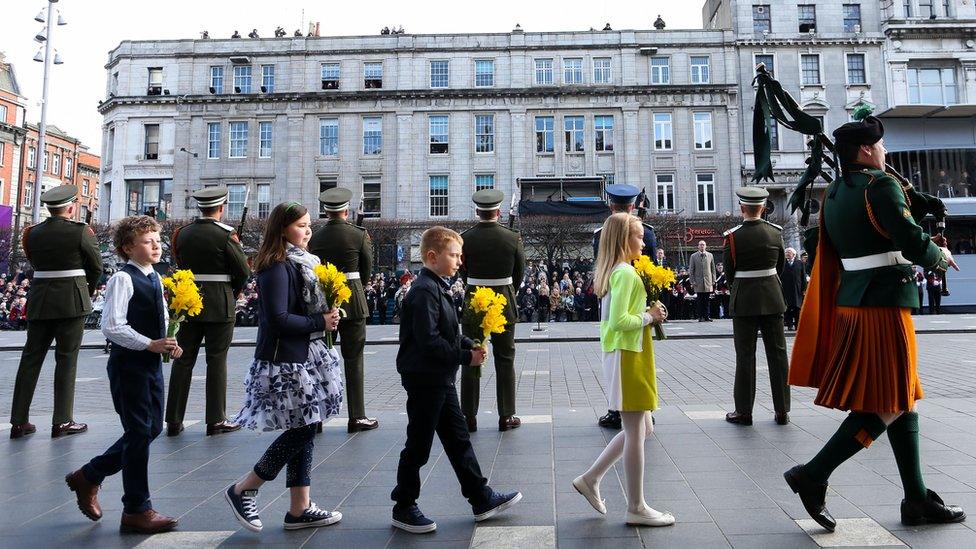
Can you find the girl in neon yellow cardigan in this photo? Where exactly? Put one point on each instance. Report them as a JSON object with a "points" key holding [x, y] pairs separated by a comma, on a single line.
{"points": [[628, 366]]}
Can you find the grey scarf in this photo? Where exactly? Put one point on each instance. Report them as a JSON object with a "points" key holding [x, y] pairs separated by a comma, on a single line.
{"points": [[311, 289]]}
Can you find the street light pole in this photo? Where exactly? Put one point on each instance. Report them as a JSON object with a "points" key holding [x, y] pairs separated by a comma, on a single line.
{"points": [[42, 129]]}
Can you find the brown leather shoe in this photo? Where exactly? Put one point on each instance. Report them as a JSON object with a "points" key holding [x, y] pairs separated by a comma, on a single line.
{"points": [[472, 423], [70, 428], [357, 424], [87, 494], [148, 522], [22, 430], [739, 418], [221, 428], [173, 429], [509, 422]]}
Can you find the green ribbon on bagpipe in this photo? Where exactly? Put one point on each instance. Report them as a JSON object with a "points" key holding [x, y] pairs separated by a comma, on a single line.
{"points": [[772, 102]]}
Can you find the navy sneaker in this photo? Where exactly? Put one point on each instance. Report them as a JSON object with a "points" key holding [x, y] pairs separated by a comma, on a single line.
{"points": [[245, 508], [495, 504], [313, 517], [410, 519]]}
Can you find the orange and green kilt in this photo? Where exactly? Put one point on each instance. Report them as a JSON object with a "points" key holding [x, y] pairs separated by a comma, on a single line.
{"points": [[861, 359]]}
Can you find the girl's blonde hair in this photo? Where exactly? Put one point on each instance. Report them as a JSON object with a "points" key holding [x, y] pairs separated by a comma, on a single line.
{"points": [[613, 248]]}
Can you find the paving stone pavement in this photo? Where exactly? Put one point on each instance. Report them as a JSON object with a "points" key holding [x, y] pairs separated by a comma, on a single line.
{"points": [[723, 483]]}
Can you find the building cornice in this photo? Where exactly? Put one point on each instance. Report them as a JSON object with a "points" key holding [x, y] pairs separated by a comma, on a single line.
{"points": [[418, 94], [956, 28], [813, 42]]}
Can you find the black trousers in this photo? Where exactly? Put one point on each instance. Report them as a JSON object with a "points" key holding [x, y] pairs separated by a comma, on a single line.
{"points": [[292, 449], [791, 317], [701, 302], [137, 393], [435, 409], [745, 331], [935, 301]]}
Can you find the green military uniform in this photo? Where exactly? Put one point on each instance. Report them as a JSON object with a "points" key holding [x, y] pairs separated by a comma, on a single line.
{"points": [[67, 266], [754, 257], [349, 248], [213, 252], [493, 257]]}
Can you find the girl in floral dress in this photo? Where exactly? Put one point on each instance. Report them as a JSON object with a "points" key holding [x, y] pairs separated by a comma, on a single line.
{"points": [[294, 383]]}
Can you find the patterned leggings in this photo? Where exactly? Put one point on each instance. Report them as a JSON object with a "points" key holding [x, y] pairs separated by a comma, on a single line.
{"points": [[292, 448]]}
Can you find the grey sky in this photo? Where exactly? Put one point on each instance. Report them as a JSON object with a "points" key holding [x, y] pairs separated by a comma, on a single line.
{"points": [[96, 26]]}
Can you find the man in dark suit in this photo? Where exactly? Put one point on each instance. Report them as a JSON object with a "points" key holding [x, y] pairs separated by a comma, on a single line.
{"points": [[794, 282]]}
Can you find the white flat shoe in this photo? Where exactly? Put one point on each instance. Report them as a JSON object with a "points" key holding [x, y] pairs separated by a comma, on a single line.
{"points": [[591, 495], [651, 518]]}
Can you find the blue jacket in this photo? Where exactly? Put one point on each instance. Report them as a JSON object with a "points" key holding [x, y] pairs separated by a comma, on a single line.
{"points": [[284, 326], [431, 344]]}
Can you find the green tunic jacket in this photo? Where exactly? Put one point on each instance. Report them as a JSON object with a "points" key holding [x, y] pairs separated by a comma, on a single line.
{"points": [[349, 248], [60, 244], [871, 215], [207, 246], [755, 245], [492, 250]]}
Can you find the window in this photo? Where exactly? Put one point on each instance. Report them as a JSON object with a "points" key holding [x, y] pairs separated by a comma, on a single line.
{"points": [[372, 75], [660, 70], [484, 73], [57, 165], [485, 181], [326, 183], [601, 71], [149, 193], [573, 71], [238, 140], [573, 126], [371, 195], [264, 201], [155, 81], [908, 8], [852, 17], [662, 132], [767, 59], [329, 136], [32, 158], [216, 80], [242, 79], [439, 74], [439, 132], [372, 135], [268, 78], [773, 134], [925, 9], [438, 196], [484, 131], [761, 20], [45, 161], [608, 179], [810, 69], [856, 73], [3, 151], [543, 72], [85, 187], [3, 114], [236, 194], [266, 131], [665, 191], [151, 150], [544, 134], [330, 76], [29, 194], [699, 69], [213, 140], [69, 165], [603, 126], [703, 130], [807, 16], [706, 192], [932, 86]]}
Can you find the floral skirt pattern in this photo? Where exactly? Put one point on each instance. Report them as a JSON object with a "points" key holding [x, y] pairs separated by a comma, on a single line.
{"points": [[285, 395]]}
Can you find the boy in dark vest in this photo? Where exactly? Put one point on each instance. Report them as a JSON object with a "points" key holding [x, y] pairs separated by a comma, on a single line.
{"points": [[134, 319]]}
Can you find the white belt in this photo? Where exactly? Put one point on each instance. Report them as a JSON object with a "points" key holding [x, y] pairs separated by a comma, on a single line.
{"points": [[472, 281], [211, 278], [884, 259], [756, 274], [352, 276], [70, 273]]}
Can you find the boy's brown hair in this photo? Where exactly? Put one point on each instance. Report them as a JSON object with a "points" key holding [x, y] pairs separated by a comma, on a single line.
{"points": [[436, 239], [129, 228]]}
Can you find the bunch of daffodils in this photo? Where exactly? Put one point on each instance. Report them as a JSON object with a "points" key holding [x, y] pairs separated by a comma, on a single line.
{"points": [[183, 299], [486, 309], [657, 280]]}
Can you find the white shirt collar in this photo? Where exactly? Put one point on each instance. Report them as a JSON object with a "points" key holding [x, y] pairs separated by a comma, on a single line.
{"points": [[145, 270]]}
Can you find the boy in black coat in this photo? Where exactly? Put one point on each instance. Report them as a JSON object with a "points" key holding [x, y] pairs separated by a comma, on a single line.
{"points": [[431, 349]]}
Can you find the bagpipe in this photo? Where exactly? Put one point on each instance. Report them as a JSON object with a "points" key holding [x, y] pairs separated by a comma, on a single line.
{"points": [[775, 103]]}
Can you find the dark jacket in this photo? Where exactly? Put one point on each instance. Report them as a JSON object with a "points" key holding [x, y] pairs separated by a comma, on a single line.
{"points": [[431, 344], [794, 282], [284, 326]]}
